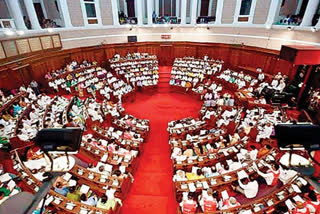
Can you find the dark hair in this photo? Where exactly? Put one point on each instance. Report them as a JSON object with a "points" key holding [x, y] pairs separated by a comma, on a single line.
{"points": [[199, 172], [117, 172], [104, 199], [83, 197], [72, 189], [191, 195]]}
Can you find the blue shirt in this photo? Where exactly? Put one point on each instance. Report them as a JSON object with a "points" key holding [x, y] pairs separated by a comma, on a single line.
{"points": [[62, 191]]}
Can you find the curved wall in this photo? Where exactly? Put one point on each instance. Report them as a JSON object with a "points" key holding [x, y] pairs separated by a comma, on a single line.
{"points": [[237, 57], [249, 36]]}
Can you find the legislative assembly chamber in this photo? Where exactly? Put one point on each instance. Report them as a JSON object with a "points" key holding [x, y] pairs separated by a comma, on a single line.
{"points": [[159, 106]]}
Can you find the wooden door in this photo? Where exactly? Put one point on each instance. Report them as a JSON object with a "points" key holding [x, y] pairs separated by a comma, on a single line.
{"points": [[166, 55]]}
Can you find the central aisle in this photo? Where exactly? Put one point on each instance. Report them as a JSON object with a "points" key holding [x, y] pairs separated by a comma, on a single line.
{"points": [[152, 190]]}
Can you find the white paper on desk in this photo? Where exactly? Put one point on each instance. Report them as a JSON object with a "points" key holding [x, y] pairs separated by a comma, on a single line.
{"points": [[245, 212], [208, 146], [270, 158], [234, 149], [84, 189], [122, 169], [70, 206], [67, 176], [194, 169], [289, 204], [108, 167], [104, 157], [5, 177], [11, 185], [202, 132], [49, 200], [242, 174], [225, 152], [83, 211], [303, 181], [72, 183], [298, 198], [205, 185], [224, 195], [192, 187], [296, 188]]}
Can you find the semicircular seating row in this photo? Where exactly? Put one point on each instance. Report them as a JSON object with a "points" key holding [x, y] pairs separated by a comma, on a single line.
{"points": [[89, 97], [227, 160], [113, 139]]}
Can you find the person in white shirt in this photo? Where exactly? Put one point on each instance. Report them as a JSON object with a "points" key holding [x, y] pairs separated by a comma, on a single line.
{"points": [[247, 187], [260, 75], [271, 176], [281, 86], [274, 83], [180, 176], [208, 200], [265, 133]]}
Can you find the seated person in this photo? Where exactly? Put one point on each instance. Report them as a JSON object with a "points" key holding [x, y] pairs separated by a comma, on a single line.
{"points": [[230, 203], [73, 194], [313, 204], [61, 189], [300, 209], [189, 151], [208, 200], [179, 176], [247, 187], [189, 205], [90, 201], [105, 203], [193, 176]]}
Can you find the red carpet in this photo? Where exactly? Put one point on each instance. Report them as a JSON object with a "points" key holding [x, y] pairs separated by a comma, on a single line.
{"points": [[152, 190]]}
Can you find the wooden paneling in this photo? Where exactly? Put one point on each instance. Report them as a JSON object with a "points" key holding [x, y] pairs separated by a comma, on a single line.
{"points": [[233, 56], [16, 48]]}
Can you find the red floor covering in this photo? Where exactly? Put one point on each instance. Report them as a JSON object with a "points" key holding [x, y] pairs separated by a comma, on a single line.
{"points": [[152, 190]]}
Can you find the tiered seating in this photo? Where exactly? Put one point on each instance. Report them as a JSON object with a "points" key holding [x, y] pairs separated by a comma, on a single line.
{"points": [[138, 69], [108, 156], [187, 72], [232, 145]]}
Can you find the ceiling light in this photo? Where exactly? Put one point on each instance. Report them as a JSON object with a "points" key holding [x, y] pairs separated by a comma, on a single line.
{"points": [[289, 28], [50, 30], [313, 29], [268, 27]]}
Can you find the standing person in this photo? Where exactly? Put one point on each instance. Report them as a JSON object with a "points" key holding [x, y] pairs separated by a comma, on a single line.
{"points": [[34, 85]]}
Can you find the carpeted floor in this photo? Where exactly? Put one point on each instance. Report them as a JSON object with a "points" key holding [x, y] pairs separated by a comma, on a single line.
{"points": [[152, 190]]}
